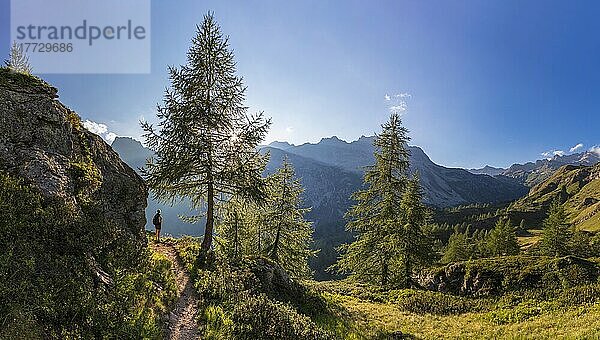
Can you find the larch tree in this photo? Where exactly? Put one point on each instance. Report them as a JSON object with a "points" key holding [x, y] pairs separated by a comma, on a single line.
{"points": [[386, 218], [502, 240], [287, 235], [205, 142], [237, 228], [459, 248], [415, 245], [18, 60], [556, 234]]}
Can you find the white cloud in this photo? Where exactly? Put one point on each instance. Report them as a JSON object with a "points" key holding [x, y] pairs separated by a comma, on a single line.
{"points": [[398, 102], [550, 153], [110, 137], [400, 108], [596, 150], [97, 128], [289, 129], [100, 129], [576, 147]]}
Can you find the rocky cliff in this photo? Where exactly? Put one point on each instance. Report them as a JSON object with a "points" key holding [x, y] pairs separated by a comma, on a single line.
{"points": [[43, 142]]}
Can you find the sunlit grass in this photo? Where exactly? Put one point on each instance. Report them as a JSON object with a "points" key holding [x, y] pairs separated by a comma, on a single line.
{"points": [[373, 318]]}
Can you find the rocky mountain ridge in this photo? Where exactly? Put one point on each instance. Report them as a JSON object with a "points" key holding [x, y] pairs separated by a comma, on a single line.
{"points": [[443, 187]]}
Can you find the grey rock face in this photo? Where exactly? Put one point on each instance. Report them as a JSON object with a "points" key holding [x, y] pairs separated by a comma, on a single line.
{"points": [[43, 142]]}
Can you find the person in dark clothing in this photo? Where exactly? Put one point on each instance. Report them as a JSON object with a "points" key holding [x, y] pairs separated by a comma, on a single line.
{"points": [[157, 221]]}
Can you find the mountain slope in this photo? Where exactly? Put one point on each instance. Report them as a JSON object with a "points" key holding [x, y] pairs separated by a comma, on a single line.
{"points": [[533, 173], [135, 155], [443, 186], [487, 170], [577, 188], [327, 189]]}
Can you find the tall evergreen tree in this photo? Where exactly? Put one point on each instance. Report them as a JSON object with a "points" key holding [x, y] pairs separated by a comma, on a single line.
{"points": [[18, 60], [557, 233], [502, 240], [386, 218], [415, 245], [205, 143], [288, 235]]}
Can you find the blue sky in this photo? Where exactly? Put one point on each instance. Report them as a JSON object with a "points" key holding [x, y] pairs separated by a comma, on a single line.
{"points": [[490, 82]]}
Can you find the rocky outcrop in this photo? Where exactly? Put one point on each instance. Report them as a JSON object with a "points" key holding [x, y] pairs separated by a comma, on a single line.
{"points": [[44, 143], [499, 275]]}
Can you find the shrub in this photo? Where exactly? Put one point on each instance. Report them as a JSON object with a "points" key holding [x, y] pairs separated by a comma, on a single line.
{"points": [[519, 313], [258, 317], [422, 302], [253, 298]]}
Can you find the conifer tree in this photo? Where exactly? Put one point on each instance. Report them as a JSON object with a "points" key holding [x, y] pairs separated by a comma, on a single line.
{"points": [[458, 248], [18, 60], [237, 228], [479, 240], [415, 245], [556, 234], [502, 240], [386, 218], [289, 235], [205, 142]]}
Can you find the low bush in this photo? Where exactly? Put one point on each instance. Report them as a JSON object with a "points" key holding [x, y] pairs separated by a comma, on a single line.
{"points": [[253, 298], [497, 276], [423, 302]]}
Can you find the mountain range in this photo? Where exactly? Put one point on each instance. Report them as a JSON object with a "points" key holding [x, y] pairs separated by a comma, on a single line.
{"points": [[533, 173], [330, 172], [443, 187], [576, 187]]}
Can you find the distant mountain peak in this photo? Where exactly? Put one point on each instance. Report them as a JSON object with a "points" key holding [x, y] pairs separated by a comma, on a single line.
{"points": [[487, 170], [532, 173], [127, 140], [281, 145], [365, 139], [332, 140]]}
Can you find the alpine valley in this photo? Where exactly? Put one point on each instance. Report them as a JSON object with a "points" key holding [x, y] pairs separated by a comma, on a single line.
{"points": [[332, 169]]}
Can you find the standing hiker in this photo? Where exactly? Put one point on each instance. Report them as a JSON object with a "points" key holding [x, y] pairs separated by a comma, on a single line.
{"points": [[157, 221]]}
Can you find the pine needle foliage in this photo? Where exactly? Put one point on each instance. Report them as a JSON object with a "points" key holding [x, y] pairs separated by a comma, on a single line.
{"points": [[18, 61], [557, 234], [502, 240], [205, 142], [287, 235], [388, 218]]}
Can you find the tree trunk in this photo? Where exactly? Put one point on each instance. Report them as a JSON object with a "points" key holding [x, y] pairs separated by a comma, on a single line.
{"points": [[276, 243], [407, 272], [384, 273], [235, 239], [208, 231]]}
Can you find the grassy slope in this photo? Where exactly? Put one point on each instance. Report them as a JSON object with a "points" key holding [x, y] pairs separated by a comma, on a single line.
{"points": [[578, 187], [574, 185], [371, 317], [368, 313]]}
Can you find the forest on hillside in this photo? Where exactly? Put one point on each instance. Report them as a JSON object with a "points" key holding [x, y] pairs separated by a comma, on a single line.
{"points": [[77, 262]]}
